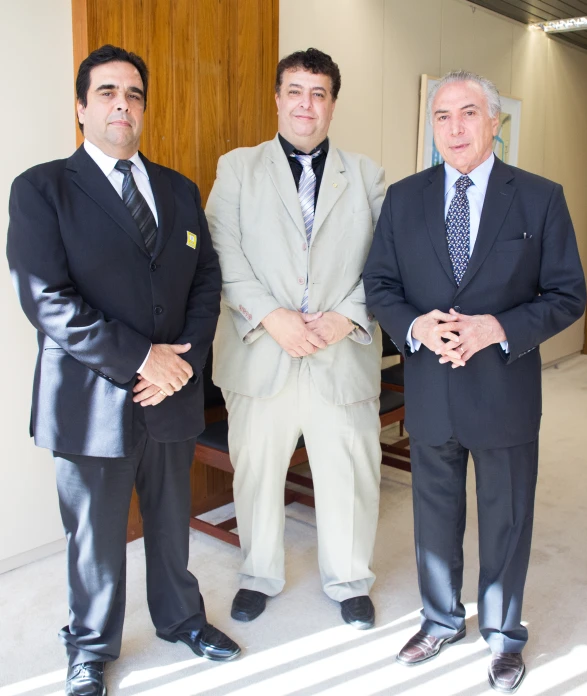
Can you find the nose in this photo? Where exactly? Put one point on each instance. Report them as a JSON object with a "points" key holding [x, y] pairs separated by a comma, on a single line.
{"points": [[122, 104], [306, 100], [456, 126]]}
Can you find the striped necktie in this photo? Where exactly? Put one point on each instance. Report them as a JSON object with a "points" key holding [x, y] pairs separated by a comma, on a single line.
{"points": [[307, 194], [137, 205], [458, 228]]}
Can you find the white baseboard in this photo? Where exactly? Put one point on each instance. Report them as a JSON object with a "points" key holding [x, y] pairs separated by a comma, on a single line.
{"points": [[21, 559]]}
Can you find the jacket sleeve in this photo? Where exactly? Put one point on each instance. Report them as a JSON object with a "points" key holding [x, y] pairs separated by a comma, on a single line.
{"points": [[247, 299], [38, 265], [383, 282], [560, 300], [203, 306]]}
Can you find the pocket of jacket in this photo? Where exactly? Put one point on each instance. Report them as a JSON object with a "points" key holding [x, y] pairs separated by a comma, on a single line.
{"points": [[513, 245]]}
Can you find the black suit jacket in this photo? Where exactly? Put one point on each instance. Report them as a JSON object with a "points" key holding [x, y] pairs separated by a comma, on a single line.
{"points": [[525, 270], [98, 301]]}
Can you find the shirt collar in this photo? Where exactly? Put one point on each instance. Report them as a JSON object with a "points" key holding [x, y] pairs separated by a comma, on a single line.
{"points": [[479, 176], [290, 150], [107, 163]]}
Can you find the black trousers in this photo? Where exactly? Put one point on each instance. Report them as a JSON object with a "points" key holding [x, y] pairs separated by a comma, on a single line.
{"points": [[94, 498], [506, 484]]}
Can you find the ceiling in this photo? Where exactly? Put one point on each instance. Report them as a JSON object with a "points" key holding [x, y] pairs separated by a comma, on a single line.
{"points": [[533, 11]]}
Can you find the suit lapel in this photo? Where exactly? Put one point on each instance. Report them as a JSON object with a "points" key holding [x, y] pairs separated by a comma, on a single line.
{"points": [[331, 189], [498, 199], [434, 212], [87, 175], [281, 176], [164, 201]]}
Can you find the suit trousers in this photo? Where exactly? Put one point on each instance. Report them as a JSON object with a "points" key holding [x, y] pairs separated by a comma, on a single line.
{"points": [[505, 486], [345, 458], [94, 498]]}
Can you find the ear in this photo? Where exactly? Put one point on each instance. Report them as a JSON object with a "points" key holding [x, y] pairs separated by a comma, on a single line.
{"points": [[81, 110], [277, 99], [495, 125]]}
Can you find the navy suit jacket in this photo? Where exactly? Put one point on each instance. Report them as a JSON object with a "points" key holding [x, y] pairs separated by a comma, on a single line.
{"points": [[98, 301], [525, 270]]}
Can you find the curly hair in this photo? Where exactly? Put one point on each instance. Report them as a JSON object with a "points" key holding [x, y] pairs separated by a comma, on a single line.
{"points": [[313, 61]]}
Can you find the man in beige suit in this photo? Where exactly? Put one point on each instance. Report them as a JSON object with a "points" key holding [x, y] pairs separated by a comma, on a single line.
{"points": [[296, 351]]}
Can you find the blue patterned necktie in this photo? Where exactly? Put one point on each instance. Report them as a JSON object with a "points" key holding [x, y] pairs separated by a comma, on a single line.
{"points": [[458, 228], [307, 194], [137, 205]]}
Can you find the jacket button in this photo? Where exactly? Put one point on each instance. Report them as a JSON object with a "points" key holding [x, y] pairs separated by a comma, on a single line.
{"points": [[153, 266], [158, 309], [457, 308], [301, 281]]}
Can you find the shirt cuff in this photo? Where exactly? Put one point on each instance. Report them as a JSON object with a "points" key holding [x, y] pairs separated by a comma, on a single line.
{"points": [[412, 342], [142, 367]]}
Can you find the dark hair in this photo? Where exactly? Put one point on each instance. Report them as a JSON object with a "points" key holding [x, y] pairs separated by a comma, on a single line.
{"points": [[313, 61], [102, 55]]}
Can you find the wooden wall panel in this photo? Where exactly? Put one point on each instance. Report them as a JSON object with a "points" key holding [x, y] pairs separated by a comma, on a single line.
{"points": [[212, 67]]}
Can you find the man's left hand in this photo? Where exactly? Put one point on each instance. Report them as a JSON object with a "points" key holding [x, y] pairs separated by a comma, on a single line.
{"points": [[331, 327], [146, 393], [475, 331]]}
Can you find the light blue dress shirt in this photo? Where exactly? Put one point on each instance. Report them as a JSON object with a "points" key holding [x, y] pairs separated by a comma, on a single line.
{"points": [[476, 196]]}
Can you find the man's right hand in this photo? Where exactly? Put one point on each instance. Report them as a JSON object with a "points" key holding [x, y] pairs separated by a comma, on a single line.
{"points": [[166, 369], [429, 329], [289, 329]]}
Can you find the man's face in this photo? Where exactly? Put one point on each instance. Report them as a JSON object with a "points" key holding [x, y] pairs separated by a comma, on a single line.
{"points": [[304, 108], [463, 128], [113, 117]]}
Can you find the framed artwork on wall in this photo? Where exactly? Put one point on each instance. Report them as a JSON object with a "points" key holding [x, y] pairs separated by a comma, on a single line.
{"points": [[505, 144]]}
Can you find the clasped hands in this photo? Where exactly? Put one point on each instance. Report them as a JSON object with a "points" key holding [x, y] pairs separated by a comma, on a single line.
{"points": [[302, 334], [465, 334], [164, 374]]}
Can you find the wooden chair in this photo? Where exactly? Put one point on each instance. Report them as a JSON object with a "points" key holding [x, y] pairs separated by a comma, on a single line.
{"points": [[393, 378]]}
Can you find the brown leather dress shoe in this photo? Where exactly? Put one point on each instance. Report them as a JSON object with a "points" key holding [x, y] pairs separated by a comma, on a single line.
{"points": [[506, 672], [422, 647]]}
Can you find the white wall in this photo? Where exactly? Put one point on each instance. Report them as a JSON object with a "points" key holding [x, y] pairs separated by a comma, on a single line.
{"points": [[37, 124], [384, 46]]}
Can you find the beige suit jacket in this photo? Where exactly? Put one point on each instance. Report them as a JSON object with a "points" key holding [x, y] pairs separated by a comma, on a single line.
{"points": [[258, 232]]}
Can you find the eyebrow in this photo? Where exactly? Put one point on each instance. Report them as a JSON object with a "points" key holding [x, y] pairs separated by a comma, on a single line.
{"points": [[135, 90], [294, 84], [462, 108]]}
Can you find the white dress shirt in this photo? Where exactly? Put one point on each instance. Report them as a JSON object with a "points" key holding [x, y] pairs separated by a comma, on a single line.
{"points": [[139, 172], [476, 197]]}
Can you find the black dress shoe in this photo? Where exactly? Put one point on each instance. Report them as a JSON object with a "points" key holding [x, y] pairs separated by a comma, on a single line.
{"points": [[358, 612], [423, 647], [247, 605], [85, 679], [208, 642], [506, 672]]}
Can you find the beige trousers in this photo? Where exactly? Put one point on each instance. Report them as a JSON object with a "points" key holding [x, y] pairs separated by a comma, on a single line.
{"points": [[345, 458]]}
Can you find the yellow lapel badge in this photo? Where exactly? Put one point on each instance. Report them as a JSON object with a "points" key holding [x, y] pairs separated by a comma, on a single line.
{"points": [[192, 240]]}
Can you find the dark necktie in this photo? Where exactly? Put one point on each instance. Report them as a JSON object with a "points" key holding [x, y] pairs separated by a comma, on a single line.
{"points": [[137, 205], [458, 228]]}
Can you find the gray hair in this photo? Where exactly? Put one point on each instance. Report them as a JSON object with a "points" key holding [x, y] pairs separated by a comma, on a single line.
{"points": [[489, 90]]}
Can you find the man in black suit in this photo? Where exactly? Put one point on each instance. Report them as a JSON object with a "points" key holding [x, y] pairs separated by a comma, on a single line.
{"points": [[113, 263], [473, 265]]}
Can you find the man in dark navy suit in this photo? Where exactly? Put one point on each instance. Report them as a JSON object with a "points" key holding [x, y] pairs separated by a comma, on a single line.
{"points": [[473, 265], [113, 264]]}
